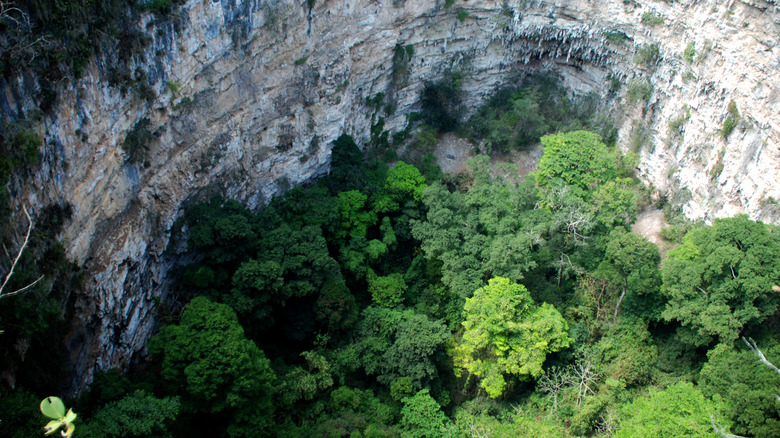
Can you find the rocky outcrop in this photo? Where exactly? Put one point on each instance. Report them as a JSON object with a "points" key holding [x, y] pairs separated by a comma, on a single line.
{"points": [[252, 92]]}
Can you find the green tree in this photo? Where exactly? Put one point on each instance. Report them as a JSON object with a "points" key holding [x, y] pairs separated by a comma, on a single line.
{"points": [[399, 343], [136, 415], [615, 203], [220, 229], [477, 234], [676, 412], [303, 258], [506, 333], [220, 370], [299, 383], [748, 386], [631, 264], [421, 417], [441, 102], [355, 221], [347, 171], [626, 352], [720, 279], [349, 412], [576, 159], [517, 127], [387, 291], [336, 306], [404, 182], [20, 415]]}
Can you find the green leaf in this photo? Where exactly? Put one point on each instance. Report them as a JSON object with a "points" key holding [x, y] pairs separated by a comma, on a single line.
{"points": [[52, 426], [70, 416], [53, 407]]}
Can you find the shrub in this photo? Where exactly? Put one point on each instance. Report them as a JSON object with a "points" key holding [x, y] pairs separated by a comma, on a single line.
{"points": [[732, 118], [462, 15], [639, 90], [652, 19], [647, 54], [689, 52], [616, 37]]}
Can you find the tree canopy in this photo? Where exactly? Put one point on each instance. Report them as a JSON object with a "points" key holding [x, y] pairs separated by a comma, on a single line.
{"points": [[506, 333], [220, 370], [721, 279]]}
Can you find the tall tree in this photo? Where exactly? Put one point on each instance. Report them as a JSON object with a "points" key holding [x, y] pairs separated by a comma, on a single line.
{"points": [[576, 159], [478, 234], [678, 411], [506, 333], [631, 264], [721, 279], [221, 371], [748, 386], [421, 417], [400, 343]]}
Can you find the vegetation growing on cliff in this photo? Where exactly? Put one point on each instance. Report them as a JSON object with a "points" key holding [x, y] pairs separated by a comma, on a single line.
{"points": [[391, 301]]}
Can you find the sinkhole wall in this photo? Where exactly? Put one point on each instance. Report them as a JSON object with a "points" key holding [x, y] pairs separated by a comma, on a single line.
{"points": [[251, 93]]}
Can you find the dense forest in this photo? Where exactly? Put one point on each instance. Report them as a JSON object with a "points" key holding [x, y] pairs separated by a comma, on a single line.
{"points": [[392, 300]]}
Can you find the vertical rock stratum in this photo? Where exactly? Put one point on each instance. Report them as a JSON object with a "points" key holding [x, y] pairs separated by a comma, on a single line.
{"points": [[251, 93]]}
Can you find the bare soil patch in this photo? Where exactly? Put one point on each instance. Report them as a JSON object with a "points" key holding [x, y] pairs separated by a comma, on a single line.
{"points": [[649, 224]]}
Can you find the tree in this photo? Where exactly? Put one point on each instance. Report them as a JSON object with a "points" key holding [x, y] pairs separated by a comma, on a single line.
{"points": [[720, 279], [421, 417], [355, 221], [387, 291], [506, 333], [336, 306], [299, 383], [303, 258], [676, 412], [400, 343], [135, 415], [748, 386], [519, 126], [576, 159], [348, 412], [626, 352], [615, 203], [631, 264], [220, 370], [441, 102], [477, 234], [404, 183], [347, 171]]}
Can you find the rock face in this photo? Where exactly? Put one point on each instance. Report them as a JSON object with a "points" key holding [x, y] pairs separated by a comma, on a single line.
{"points": [[252, 92]]}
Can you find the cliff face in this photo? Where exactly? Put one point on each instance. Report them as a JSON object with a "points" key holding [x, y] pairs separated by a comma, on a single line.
{"points": [[251, 93]]}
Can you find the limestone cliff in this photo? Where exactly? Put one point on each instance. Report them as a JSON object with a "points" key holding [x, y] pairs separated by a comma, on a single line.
{"points": [[252, 92]]}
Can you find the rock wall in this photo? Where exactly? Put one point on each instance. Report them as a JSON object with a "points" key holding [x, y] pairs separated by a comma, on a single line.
{"points": [[252, 92]]}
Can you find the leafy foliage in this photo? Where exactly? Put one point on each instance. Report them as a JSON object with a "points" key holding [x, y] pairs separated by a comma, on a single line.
{"points": [[421, 417], [136, 415], [515, 118], [719, 280], [678, 411], [748, 387], [476, 233], [441, 102], [221, 371], [507, 334], [578, 160], [400, 343]]}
